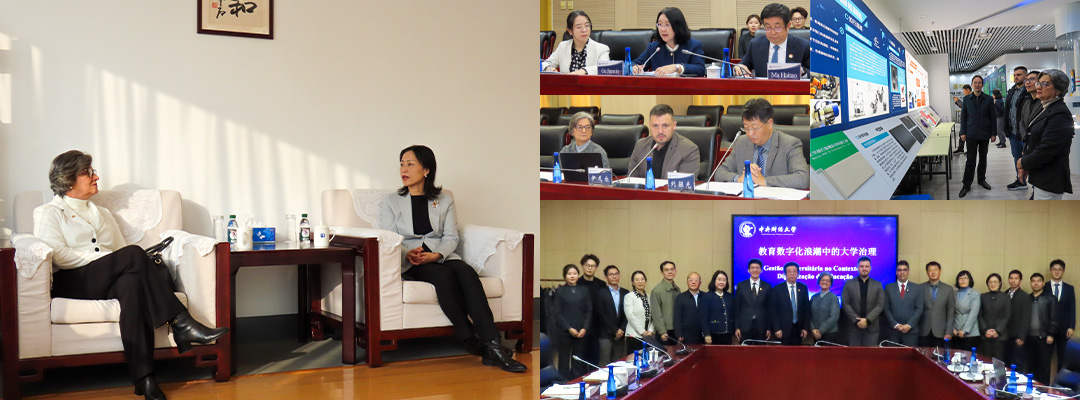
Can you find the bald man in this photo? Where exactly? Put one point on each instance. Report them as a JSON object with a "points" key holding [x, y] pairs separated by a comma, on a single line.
{"points": [[688, 312]]}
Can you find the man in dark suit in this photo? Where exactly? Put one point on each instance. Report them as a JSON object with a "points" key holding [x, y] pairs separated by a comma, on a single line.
{"points": [[1019, 320], [775, 46], [903, 307], [790, 308], [978, 127], [863, 301], [610, 317], [751, 299], [1066, 310], [688, 319]]}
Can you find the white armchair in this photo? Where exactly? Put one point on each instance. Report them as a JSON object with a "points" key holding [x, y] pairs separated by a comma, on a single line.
{"points": [[41, 332], [398, 309]]}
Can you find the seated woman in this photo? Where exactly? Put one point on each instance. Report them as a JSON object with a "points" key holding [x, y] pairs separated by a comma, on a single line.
{"points": [[1046, 150], [424, 215], [672, 36], [581, 127], [753, 23], [579, 55], [718, 310], [91, 261]]}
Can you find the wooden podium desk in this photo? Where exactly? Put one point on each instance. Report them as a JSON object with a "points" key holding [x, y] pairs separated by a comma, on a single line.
{"points": [[564, 84]]}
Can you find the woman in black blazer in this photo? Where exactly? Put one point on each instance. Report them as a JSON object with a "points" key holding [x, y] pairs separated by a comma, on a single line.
{"points": [[573, 319], [671, 37], [753, 23], [1046, 154], [718, 311], [994, 312]]}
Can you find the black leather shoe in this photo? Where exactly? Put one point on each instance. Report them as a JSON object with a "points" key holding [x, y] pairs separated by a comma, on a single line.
{"points": [[148, 387], [187, 330], [474, 347], [984, 185], [496, 354], [964, 191]]}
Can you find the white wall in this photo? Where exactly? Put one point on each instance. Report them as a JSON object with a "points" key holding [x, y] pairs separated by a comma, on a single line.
{"points": [[262, 127]]}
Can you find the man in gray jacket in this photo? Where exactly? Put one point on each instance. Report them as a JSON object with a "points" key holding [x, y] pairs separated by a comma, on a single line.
{"points": [[863, 300], [904, 307], [939, 304], [776, 158], [670, 151]]}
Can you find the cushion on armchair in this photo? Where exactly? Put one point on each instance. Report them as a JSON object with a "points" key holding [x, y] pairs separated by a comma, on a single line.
{"points": [[74, 311], [414, 292]]}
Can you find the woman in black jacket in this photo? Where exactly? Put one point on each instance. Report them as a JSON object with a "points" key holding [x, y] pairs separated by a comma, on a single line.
{"points": [[718, 311], [994, 312], [573, 317], [1046, 153]]}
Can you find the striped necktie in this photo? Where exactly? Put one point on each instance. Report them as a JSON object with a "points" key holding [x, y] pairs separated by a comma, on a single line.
{"points": [[775, 54], [759, 159]]}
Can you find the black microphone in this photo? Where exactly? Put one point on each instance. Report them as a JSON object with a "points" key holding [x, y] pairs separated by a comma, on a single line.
{"points": [[741, 75], [563, 169], [668, 362], [650, 58], [709, 181], [628, 185], [683, 351]]}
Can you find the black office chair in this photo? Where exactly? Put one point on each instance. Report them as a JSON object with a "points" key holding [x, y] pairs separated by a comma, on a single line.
{"points": [[691, 120], [543, 119], [735, 109], [594, 110], [547, 43], [622, 119], [714, 41], [1069, 375], [552, 113], [803, 34], [618, 142], [714, 112], [618, 41], [784, 114], [801, 119], [551, 141], [801, 132], [705, 138], [563, 120], [730, 125]]}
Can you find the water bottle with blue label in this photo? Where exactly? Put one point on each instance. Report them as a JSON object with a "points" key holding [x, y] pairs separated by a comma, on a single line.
{"points": [[556, 175], [725, 70], [650, 180], [611, 388], [747, 182], [626, 69]]}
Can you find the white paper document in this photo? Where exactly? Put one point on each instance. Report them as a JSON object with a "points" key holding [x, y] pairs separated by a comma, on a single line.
{"points": [[641, 181]]}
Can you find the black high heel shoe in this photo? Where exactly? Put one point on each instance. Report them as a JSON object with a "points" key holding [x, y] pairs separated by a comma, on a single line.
{"points": [[148, 387], [187, 330]]}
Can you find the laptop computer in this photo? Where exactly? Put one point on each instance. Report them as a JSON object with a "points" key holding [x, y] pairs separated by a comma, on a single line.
{"points": [[578, 161]]}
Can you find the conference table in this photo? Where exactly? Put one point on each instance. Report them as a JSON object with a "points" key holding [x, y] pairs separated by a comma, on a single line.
{"points": [[583, 191], [566, 84], [804, 372]]}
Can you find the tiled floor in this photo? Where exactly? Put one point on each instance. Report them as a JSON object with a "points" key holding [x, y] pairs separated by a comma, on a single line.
{"points": [[1000, 172]]}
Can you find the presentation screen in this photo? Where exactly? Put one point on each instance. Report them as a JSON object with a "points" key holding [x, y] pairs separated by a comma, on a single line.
{"points": [[832, 243]]}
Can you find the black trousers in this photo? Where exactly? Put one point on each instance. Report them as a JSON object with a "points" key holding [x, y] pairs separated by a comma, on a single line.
{"points": [[567, 346], [755, 331], [1038, 355], [1014, 355], [1060, 342], [976, 149], [792, 336], [992, 348], [145, 296], [461, 296], [724, 339], [933, 341]]}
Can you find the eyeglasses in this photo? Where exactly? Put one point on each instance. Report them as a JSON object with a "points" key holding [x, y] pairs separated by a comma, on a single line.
{"points": [[748, 129], [799, 19], [774, 28], [583, 128], [1029, 79], [1043, 84], [583, 27], [90, 172], [663, 26]]}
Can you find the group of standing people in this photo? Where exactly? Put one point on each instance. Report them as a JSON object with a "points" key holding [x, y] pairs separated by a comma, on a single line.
{"points": [[1035, 120], [1007, 323]]}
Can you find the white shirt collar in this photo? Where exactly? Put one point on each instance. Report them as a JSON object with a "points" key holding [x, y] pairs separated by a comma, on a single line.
{"points": [[901, 283], [671, 49]]}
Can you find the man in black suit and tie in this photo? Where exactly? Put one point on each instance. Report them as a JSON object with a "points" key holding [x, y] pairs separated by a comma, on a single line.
{"points": [[610, 317], [1066, 310], [751, 301], [790, 306], [688, 319], [903, 307], [775, 46], [1019, 320]]}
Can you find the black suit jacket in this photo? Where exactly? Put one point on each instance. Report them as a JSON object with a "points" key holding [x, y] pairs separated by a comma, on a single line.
{"points": [[610, 317], [749, 307], [1066, 310], [1046, 153], [688, 318], [1019, 314], [757, 59], [780, 305], [978, 117]]}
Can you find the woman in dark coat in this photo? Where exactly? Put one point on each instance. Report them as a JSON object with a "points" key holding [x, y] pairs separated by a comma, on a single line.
{"points": [[1046, 152], [718, 311], [994, 318]]}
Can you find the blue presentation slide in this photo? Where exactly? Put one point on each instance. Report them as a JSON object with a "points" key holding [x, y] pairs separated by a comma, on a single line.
{"points": [[818, 244]]}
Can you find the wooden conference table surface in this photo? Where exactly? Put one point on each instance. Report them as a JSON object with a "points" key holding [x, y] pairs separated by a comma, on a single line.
{"points": [[565, 84], [756, 372]]}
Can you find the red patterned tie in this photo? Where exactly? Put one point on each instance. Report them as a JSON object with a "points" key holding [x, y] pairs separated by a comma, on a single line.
{"points": [[902, 285]]}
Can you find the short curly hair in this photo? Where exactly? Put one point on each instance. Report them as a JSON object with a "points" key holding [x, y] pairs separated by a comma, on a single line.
{"points": [[66, 168]]}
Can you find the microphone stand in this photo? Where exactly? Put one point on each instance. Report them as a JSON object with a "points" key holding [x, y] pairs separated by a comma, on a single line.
{"points": [[708, 182], [748, 342], [619, 390], [892, 344], [828, 343], [683, 351], [648, 59], [733, 69], [667, 363], [628, 185]]}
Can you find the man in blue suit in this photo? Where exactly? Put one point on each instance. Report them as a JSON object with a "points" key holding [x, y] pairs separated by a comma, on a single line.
{"points": [[903, 307], [790, 308], [775, 46], [1066, 310]]}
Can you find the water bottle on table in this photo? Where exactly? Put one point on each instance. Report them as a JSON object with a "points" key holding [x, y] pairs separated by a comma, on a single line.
{"points": [[650, 181], [232, 228], [748, 181], [556, 174], [627, 68], [611, 387]]}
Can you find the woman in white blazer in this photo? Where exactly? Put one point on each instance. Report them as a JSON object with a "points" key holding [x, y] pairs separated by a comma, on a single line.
{"points": [[638, 315], [92, 261], [579, 55], [424, 215]]}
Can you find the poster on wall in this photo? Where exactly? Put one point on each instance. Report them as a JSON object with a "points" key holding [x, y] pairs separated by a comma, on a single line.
{"points": [[250, 18], [918, 89]]}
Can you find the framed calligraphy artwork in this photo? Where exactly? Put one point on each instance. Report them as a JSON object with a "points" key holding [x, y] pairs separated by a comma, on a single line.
{"points": [[246, 18]]}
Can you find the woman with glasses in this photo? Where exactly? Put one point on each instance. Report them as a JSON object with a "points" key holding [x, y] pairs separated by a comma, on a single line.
{"points": [[581, 128], [753, 23], [825, 311], [578, 55], [994, 312], [1050, 133], [92, 261], [718, 311], [665, 56], [965, 329]]}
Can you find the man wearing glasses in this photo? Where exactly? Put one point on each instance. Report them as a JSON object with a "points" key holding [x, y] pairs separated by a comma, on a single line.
{"points": [[775, 46], [670, 151], [776, 158]]}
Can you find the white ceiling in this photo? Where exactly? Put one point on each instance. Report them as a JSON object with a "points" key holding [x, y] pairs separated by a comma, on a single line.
{"points": [[923, 15]]}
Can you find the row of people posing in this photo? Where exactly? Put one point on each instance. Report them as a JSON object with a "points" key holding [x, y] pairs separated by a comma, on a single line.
{"points": [[665, 56]]}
